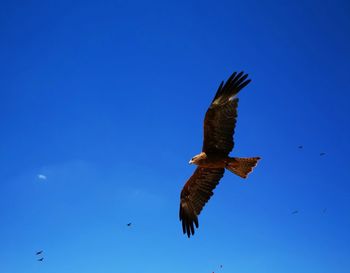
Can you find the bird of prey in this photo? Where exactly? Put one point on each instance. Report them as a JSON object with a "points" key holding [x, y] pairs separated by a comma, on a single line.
{"points": [[300, 147], [219, 127], [38, 252], [40, 260], [321, 154], [128, 224]]}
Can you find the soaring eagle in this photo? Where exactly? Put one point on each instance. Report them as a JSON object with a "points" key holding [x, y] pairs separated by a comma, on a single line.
{"points": [[219, 126]]}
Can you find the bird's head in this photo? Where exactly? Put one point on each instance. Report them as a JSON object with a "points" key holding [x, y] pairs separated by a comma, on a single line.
{"points": [[197, 158]]}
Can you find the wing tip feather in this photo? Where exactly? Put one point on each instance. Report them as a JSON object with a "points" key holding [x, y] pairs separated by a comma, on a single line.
{"points": [[188, 218], [229, 89]]}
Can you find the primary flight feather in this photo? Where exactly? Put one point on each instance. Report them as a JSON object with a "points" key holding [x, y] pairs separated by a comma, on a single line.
{"points": [[219, 127]]}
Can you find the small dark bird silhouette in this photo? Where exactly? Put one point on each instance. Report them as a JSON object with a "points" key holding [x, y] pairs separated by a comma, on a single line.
{"points": [[128, 224], [39, 252], [300, 147], [40, 260], [220, 265], [295, 212], [321, 154]]}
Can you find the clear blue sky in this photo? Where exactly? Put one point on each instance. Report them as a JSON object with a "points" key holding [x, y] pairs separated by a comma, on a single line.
{"points": [[107, 98]]}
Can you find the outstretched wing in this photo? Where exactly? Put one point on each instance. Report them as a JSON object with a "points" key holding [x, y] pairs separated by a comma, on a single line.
{"points": [[195, 194], [220, 119]]}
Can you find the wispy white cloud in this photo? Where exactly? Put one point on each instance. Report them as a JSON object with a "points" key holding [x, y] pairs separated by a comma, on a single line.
{"points": [[41, 176]]}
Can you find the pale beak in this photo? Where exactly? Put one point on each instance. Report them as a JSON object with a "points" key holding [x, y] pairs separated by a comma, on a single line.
{"points": [[190, 162]]}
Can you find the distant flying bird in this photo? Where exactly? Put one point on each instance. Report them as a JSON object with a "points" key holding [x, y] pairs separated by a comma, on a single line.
{"points": [[321, 154], [295, 212], [219, 127], [300, 147], [40, 260], [39, 252], [128, 224]]}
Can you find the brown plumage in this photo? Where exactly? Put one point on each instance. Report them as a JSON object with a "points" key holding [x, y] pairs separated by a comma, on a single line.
{"points": [[219, 127]]}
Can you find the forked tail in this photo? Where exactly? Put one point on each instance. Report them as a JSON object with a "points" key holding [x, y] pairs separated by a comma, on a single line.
{"points": [[242, 166]]}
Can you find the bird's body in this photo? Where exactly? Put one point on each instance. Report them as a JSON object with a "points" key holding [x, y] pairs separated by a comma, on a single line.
{"points": [[215, 161], [211, 161], [219, 126]]}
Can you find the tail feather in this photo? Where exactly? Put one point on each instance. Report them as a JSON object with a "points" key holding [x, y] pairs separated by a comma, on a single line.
{"points": [[242, 166]]}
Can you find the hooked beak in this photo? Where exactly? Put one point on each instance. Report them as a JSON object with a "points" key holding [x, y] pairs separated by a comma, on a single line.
{"points": [[190, 162]]}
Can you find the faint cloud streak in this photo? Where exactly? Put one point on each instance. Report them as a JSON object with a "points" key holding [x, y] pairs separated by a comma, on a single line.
{"points": [[42, 177]]}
